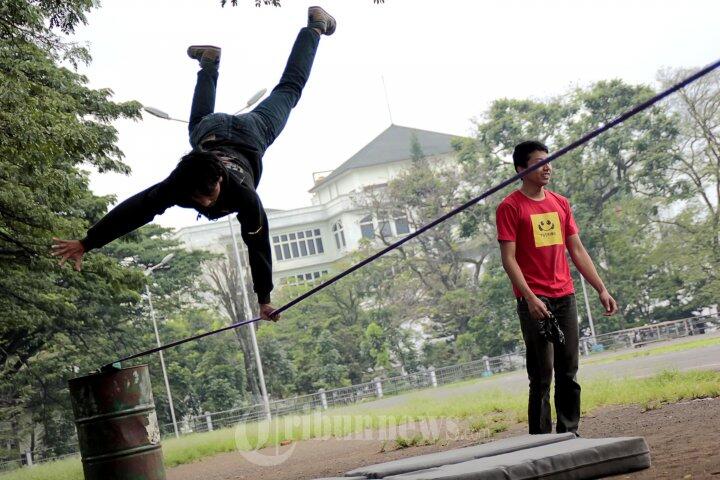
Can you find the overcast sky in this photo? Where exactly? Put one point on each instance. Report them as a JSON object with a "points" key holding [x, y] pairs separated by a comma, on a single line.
{"points": [[444, 62]]}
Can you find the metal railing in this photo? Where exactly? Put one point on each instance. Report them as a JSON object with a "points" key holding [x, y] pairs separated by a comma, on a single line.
{"points": [[344, 396], [638, 337], [30, 458]]}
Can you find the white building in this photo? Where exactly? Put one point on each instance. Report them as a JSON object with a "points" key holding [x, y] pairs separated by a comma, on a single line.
{"points": [[307, 241]]}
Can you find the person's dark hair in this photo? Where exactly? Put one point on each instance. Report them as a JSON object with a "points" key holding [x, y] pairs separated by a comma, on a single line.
{"points": [[522, 152], [197, 173]]}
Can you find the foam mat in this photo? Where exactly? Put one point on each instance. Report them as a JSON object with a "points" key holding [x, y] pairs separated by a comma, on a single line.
{"points": [[580, 458], [459, 455]]}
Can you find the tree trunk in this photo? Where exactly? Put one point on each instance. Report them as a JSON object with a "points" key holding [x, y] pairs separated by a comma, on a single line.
{"points": [[251, 374], [226, 283]]}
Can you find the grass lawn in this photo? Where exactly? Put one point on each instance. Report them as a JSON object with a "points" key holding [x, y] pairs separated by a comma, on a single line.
{"points": [[491, 410], [66, 469]]}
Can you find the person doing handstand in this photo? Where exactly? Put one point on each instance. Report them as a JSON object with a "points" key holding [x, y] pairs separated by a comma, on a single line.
{"points": [[222, 172]]}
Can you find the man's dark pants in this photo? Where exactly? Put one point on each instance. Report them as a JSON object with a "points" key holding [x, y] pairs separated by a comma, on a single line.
{"points": [[542, 356], [260, 127]]}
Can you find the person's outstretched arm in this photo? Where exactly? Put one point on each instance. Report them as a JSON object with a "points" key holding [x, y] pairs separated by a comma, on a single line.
{"points": [[129, 215], [260, 258], [586, 267]]}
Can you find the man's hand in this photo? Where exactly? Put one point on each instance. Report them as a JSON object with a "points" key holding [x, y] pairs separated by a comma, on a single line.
{"points": [[266, 311], [68, 250], [538, 310], [608, 302]]}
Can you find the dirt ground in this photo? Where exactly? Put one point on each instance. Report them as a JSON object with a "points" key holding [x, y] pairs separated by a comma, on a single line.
{"points": [[683, 439]]}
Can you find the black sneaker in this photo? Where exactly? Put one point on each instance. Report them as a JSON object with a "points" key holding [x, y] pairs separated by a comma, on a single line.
{"points": [[204, 53], [320, 19]]}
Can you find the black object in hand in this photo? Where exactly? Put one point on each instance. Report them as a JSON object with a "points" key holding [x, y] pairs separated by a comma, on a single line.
{"points": [[550, 329]]}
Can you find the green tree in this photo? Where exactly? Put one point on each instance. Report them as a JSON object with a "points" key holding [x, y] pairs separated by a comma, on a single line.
{"points": [[377, 346], [176, 289], [336, 311], [326, 336], [692, 220], [206, 375], [329, 370], [280, 371], [226, 284], [437, 262], [53, 322]]}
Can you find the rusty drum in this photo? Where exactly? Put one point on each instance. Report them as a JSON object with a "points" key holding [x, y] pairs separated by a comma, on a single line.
{"points": [[117, 426]]}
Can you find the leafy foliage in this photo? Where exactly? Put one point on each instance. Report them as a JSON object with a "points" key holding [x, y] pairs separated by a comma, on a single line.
{"points": [[51, 125], [56, 323]]}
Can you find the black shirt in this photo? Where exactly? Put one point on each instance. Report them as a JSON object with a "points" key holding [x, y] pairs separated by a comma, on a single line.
{"points": [[237, 194]]}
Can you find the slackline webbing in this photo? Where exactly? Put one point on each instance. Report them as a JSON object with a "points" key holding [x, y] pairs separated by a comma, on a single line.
{"points": [[572, 146]]}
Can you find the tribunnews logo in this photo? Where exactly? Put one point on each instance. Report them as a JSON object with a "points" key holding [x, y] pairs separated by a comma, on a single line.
{"points": [[270, 444]]}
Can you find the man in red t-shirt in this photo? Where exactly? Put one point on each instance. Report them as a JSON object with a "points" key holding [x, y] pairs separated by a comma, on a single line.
{"points": [[535, 226]]}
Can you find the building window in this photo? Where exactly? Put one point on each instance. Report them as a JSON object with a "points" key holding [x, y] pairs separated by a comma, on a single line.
{"points": [[366, 227], [339, 235], [298, 244], [401, 224], [303, 278], [385, 225]]}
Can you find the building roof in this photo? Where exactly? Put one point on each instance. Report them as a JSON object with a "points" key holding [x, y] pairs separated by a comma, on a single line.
{"points": [[392, 145]]}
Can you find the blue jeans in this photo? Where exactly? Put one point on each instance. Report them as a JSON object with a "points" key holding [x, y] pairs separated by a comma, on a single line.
{"points": [[257, 130]]}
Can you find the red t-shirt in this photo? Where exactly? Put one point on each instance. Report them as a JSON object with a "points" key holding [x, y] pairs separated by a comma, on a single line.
{"points": [[539, 229]]}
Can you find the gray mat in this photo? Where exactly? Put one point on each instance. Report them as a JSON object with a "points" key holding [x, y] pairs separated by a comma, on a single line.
{"points": [[342, 478], [580, 458], [422, 462]]}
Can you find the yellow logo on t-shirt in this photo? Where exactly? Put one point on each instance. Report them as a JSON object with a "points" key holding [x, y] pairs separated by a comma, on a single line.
{"points": [[546, 229]]}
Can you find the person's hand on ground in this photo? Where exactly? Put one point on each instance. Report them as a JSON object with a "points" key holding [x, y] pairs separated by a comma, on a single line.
{"points": [[72, 250], [608, 302], [266, 311]]}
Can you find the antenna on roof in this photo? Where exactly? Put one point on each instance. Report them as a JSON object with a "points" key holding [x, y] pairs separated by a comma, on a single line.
{"points": [[387, 101]]}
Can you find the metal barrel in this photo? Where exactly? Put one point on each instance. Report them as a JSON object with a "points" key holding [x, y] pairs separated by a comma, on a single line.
{"points": [[117, 426]]}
